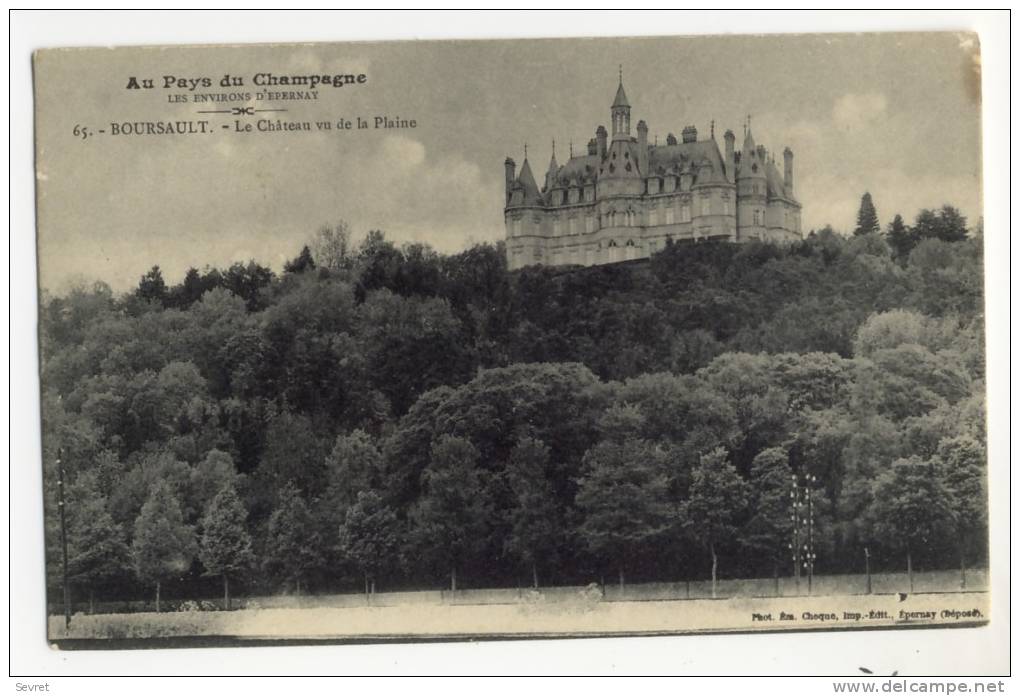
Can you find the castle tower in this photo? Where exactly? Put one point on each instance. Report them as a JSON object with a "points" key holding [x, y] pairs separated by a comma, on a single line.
{"points": [[752, 190], [620, 170], [620, 112]]}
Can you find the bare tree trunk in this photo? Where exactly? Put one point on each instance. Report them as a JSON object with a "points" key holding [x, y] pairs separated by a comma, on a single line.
{"points": [[775, 577], [92, 596], [157, 596], [226, 593], [963, 571], [366, 588], [867, 568], [715, 563], [621, 578], [453, 579], [534, 575], [910, 572], [373, 587]]}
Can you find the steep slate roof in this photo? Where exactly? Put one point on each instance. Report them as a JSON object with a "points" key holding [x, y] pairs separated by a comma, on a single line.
{"points": [[682, 156], [581, 167], [527, 180], [775, 183], [621, 98]]}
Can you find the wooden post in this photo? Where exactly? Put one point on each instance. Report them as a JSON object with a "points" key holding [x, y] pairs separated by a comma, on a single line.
{"points": [[867, 570], [63, 534]]}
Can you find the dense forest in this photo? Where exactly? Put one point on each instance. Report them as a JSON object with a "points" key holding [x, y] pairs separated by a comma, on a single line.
{"points": [[383, 415]]}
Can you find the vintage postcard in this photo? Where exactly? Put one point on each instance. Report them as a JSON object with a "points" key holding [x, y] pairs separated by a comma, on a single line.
{"points": [[419, 340]]}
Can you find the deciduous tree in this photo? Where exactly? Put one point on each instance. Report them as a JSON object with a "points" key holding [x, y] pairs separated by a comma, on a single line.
{"points": [[369, 536], [448, 523], [623, 497], [536, 518], [225, 547], [717, 500], [163, 546]]}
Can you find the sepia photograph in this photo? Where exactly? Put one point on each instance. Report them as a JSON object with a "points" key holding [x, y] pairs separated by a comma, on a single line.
{"points": [[489, 340]]}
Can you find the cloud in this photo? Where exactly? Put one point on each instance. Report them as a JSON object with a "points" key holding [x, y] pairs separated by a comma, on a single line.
{"points": [[414, 196], [854, 112], [402, 152]]}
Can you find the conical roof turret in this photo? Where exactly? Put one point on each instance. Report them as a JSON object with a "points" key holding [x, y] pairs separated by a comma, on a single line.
{"points": [[527, 181], [621, 97]]}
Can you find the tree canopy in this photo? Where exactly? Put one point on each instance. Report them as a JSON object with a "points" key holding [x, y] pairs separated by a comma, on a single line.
{"points": [[401, 413]]}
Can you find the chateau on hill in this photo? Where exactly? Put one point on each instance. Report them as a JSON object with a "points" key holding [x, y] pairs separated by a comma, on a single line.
{"points": [[624, 198]]}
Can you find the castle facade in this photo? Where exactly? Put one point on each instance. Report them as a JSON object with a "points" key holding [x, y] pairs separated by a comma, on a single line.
{"points": [[625, 198]]}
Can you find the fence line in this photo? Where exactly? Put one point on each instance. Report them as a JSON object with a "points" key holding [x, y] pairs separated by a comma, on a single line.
{"points": [[881, 583]]}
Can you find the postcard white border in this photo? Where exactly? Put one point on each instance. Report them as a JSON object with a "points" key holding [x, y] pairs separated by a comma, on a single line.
{"points": [[967, 651]]}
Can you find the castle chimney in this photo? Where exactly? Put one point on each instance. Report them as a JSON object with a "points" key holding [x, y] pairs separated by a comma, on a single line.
{"points": [[670, 139], [731, 165], [788, 170], [593, 147], [642, 139], [509, 166], [601, 135], [689, 134]]}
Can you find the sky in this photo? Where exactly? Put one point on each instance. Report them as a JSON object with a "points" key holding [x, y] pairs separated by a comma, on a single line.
{"points": [[894, 114]]}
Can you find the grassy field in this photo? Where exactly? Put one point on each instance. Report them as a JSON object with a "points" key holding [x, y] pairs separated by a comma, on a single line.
{"points": [[659, 608]]}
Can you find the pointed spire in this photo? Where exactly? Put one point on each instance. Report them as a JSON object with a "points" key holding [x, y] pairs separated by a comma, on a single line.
{"points": [[621, 96], [527, 180], [553, 167], [748, 138]]}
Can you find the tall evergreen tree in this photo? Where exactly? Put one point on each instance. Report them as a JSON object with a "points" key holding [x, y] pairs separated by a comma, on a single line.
{"points": [[867, 217], [947, 224], [163, 546], [901, 238], [225, 547], [152, 287], [301, 263]]}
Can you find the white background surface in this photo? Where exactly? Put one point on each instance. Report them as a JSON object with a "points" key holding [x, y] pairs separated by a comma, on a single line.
{"points": [[964, 652]]}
